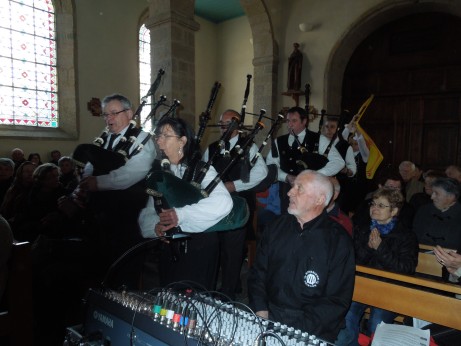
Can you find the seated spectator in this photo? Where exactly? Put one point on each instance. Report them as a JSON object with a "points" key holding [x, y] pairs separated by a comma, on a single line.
{"points": [[14, 204], [407, 170], [6, 241], [55, 156], [17, 155], [6, 176], [451, 260], [439, 223], [454, 172], [35, 159], [268, 206], [422, 198], [42, 215], [391, 180], [384, 243], [68, 176], [335, 212]]}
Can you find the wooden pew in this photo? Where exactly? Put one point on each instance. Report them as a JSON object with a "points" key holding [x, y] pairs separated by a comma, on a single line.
{"points": [[427, 262], [426, 299]]}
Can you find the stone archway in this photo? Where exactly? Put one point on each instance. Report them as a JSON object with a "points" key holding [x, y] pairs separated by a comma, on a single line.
{"points": [[265, 59], [362, 28]]}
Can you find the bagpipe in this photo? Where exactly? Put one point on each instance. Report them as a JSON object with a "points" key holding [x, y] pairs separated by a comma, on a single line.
{"points": [[169, 191], [104, 160], [310, 158]]}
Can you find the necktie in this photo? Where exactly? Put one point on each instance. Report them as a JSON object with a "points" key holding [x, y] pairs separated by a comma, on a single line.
{"points": [[295, 144], [112, 138]]}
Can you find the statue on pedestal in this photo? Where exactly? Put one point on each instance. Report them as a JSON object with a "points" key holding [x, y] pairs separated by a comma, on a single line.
{"points": [[295, 65]]}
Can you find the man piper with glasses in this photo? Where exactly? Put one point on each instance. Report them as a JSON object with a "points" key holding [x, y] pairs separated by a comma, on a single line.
{"points": [[113, 199]]}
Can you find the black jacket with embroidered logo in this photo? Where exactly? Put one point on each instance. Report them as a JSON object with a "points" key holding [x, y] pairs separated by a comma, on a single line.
{"points": [[304, 277]]}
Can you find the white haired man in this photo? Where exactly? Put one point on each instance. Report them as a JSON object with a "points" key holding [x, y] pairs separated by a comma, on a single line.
{"points": [[303, 274]]}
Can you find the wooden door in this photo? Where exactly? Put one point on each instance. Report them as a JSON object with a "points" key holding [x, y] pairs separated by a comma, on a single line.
{"points": [[413, 67]]}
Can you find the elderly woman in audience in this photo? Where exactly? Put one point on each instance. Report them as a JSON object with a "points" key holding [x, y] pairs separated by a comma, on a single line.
{"points": [[6, 241], [421, 198], [68, 176], [35, 158], [439, 223], [384, 243], [15, 201], [6, 176]]}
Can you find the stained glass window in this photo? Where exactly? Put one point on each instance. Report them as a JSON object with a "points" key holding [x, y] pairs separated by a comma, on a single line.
{"points": [[28, 77], [144, 73]]}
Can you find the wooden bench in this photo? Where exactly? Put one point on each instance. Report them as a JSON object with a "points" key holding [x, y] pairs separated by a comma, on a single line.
{"points": [[16, 323], [426, 299], [427, 262]]}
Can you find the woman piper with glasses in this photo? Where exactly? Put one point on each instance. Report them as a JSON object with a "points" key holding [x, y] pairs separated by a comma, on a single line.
{"points": [[383, 243]]}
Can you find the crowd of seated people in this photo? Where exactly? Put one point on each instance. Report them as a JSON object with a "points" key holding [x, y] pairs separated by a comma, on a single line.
{"points": [[429, 212]]}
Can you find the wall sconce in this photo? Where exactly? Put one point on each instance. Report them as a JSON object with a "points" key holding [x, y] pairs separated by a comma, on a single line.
{"points": [[308, 26]]}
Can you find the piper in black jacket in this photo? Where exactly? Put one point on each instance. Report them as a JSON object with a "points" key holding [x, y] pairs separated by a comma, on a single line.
{"points": [[304, 270]]}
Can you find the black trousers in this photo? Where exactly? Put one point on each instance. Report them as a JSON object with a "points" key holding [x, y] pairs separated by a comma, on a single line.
{"points": [[231, 255], [194, 259]]}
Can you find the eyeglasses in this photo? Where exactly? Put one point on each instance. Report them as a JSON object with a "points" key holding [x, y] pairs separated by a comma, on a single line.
{"points": [[105, 115], [164, 136], [378, 205]]}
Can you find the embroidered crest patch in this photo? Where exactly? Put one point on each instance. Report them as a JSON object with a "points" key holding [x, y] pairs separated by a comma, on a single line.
{"points": [[311, 279]]}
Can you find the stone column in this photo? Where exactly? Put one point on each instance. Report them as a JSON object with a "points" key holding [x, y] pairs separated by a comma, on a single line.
{"points": [[172, 29]]}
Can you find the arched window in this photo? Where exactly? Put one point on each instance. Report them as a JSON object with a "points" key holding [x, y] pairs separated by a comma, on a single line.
{"points": [[145, 72], [33, 96]]}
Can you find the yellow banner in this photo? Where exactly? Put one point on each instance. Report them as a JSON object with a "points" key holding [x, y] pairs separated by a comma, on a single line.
{"points": [[375, 158]]}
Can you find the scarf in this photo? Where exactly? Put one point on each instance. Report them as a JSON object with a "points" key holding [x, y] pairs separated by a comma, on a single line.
{"points": [[383, 229]]}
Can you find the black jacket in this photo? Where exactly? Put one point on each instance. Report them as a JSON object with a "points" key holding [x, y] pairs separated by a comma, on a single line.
{"points": [[304, 277], [397, 252]]}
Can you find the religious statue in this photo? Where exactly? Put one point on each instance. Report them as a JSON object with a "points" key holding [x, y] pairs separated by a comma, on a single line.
{"points": [[295, 65]]}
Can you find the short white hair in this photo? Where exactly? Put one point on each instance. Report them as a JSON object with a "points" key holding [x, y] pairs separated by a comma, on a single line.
{"points": [[323, 184]]}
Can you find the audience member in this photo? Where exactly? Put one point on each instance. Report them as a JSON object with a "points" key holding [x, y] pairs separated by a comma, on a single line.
{"points": [[454, 172], [67, 174], [35, 159], [407, 170], [55, 156], [268, 206], [335, 212], [299, 149], [303, 274], [6, 241], [14, 207], [17, 155], [6, 176], [41, 216], [390, 179], [439, 223], [384, 243], [422, 198]]}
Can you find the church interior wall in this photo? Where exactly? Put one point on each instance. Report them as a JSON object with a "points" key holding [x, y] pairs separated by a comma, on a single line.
{"points": [[106, 46]]}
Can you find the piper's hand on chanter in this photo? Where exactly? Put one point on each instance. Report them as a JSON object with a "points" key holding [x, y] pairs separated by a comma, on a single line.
{"points": [[169, 217], [160, 231], [89, 184], [448, 258]]}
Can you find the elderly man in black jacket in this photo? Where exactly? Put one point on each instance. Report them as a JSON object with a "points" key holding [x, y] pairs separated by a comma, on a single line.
{"points": [[304, 270]]}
